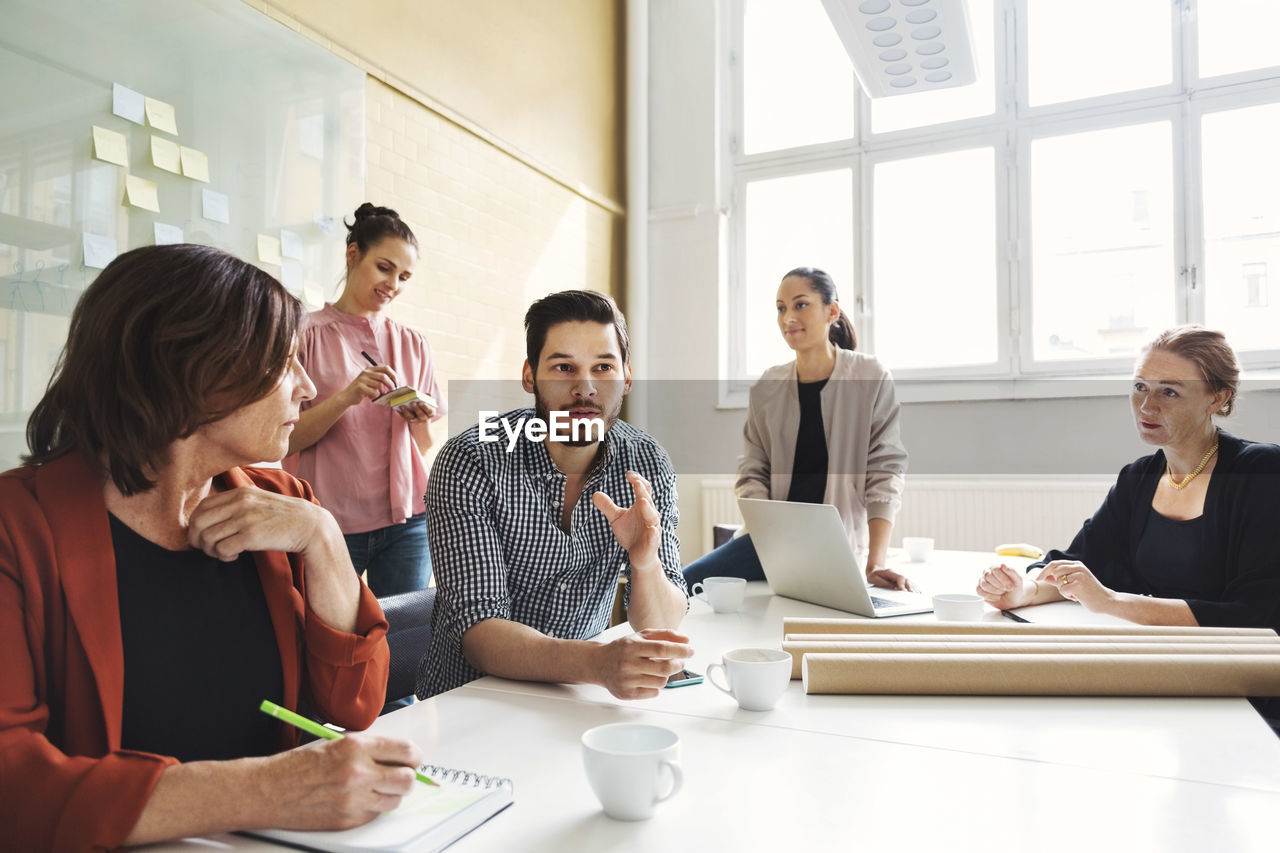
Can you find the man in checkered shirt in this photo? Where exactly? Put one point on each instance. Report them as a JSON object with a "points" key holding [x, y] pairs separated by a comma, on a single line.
{"points": [[528, 542]]}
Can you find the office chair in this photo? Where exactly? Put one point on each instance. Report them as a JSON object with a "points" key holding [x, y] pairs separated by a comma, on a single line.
{"points": [[409, 617]]}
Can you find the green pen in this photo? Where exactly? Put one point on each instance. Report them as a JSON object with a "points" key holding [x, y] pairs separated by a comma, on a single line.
{"points": [[312, 727]]}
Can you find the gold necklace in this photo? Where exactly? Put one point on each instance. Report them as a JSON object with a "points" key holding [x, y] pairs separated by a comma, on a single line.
{"points": [[1203, 462]]}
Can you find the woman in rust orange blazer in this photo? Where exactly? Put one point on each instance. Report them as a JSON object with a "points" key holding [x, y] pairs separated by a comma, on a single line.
{"points": [[153, 591]]}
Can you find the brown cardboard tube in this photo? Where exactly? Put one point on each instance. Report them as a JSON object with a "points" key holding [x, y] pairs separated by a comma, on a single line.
{"points": [[798, 650], [798, 625], [1043, 675], [1221, 639]]}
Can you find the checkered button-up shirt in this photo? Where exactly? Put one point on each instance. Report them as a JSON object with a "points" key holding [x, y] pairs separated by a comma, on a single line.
{"points": [[498, 550]]}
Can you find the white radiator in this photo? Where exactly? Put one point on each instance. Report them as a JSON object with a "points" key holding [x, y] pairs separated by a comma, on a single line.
{"points": [[964, 513], [719, 506]]}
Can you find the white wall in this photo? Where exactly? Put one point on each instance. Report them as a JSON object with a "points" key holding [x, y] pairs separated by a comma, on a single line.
{"points": [[1090, 435]]}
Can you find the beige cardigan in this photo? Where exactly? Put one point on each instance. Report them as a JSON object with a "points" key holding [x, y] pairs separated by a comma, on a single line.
{"points": [[865, 457]]}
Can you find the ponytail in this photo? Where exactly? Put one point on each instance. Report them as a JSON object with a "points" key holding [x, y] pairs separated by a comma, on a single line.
{"points": [[842, 333]]}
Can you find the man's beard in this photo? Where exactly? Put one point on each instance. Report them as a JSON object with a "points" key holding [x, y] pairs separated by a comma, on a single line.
{"points": [[543, 412]]}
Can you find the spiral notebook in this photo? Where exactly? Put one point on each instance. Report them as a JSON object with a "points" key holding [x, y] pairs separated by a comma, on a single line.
{"points": [[427, 819]]}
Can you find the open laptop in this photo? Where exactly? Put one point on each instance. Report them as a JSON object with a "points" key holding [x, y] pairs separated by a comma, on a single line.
{"points": [[806, 554]]}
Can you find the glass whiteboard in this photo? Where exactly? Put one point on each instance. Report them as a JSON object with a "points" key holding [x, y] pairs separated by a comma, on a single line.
{"points": [[279, 119]]}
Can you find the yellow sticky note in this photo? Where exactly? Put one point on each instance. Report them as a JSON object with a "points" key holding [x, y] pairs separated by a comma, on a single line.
{"points": [[164, 154], [268, 249], [160, 115], [110, 146], [195, 164], [141, 193]]}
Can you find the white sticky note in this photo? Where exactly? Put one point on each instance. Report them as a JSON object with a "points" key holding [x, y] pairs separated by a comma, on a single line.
{"points": [[324, 222], [142, 193], [311, 136], [127, 103], [167, 234], [109, 146], [268, 249], [215, 206], [291, 277], [313, 295], [161, 116], [195, 164], [290, 244], [164, 155], [99, 251]]}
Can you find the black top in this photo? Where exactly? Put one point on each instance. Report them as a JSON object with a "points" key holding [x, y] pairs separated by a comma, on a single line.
{"points": [[1171, 555], [1238, 576], [199, 649], [809, 472]]}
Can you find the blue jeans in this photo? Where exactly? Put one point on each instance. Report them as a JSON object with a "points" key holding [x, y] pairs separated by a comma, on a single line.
{"points": [[734, 559], [394, 559]]}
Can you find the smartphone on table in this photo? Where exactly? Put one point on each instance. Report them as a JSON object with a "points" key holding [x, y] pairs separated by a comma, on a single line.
{"points": [[684, 678]]}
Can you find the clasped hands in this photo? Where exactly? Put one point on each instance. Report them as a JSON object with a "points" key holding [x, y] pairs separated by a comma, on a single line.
{"points": [[1006, 588]]}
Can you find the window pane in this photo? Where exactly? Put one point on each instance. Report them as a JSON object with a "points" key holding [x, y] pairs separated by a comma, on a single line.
{"points": [[976, 99], [1242, 226], [1237, 35], [797, 79], [934, 273], [1101, 241], [802, 221], [1084, 48]]}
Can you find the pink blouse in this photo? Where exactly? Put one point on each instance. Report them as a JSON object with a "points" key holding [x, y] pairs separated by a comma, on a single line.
{"points": [[366, 469]]}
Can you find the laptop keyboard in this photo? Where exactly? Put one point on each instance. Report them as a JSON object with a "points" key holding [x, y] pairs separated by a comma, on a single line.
{"points": [[878, 602]]}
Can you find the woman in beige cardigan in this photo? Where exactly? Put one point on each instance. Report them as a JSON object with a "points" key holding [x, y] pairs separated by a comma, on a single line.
{"points": [[820, 429]]}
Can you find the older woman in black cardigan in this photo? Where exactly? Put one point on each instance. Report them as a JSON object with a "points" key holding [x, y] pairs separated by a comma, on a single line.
{"points": [[1189, 535]]}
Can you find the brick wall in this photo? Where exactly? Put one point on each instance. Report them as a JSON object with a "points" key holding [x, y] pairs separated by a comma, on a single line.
{"points": [[494, 233]]}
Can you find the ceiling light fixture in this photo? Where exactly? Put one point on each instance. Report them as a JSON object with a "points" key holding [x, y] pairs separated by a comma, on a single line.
{"points": [[903, 46]]}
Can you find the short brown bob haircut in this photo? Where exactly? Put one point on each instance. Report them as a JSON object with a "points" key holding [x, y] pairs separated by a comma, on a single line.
{"points": [[165, 340]]}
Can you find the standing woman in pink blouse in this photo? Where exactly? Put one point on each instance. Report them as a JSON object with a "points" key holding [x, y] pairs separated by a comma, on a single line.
{"points": [[364, 460]]}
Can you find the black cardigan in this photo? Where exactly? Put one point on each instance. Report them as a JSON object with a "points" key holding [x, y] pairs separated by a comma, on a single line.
{"points": [[1242, 510]]}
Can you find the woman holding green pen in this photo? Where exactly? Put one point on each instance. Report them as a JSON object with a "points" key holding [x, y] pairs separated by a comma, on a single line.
{"points": [[153, 591]]}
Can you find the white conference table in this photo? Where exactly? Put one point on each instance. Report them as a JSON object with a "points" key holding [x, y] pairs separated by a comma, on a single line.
{"points": [[871, 772]]}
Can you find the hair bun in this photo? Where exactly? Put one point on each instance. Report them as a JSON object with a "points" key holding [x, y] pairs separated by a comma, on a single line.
{"points": [[373, 223], [370, 209]]}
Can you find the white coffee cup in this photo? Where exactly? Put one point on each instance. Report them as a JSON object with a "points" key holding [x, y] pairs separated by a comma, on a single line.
{"points": [[958, 607], [918, 548], [628, 765], [757, 678], [725, 595]]}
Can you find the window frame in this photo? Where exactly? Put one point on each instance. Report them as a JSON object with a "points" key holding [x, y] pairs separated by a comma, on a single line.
{"points": [[1009, 130]]}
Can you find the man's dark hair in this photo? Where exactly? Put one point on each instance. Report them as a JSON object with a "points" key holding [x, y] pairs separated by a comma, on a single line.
{"points": [[572, 306], [165, 340]]}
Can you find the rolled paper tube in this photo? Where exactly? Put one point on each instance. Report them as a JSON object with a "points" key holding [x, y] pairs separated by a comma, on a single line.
{"points": [[1226, 639], [798, 650], [799, 625], [1043, 675]]}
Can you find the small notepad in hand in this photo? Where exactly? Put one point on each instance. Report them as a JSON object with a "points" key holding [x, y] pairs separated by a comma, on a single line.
{"points": [[427, 819], [403, 396]]}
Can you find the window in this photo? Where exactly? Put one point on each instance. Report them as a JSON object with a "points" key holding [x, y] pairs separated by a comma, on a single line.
{"points": [[1241, 178], [775, 236], [933, 224], [1044, 221], [1101, 241]]}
